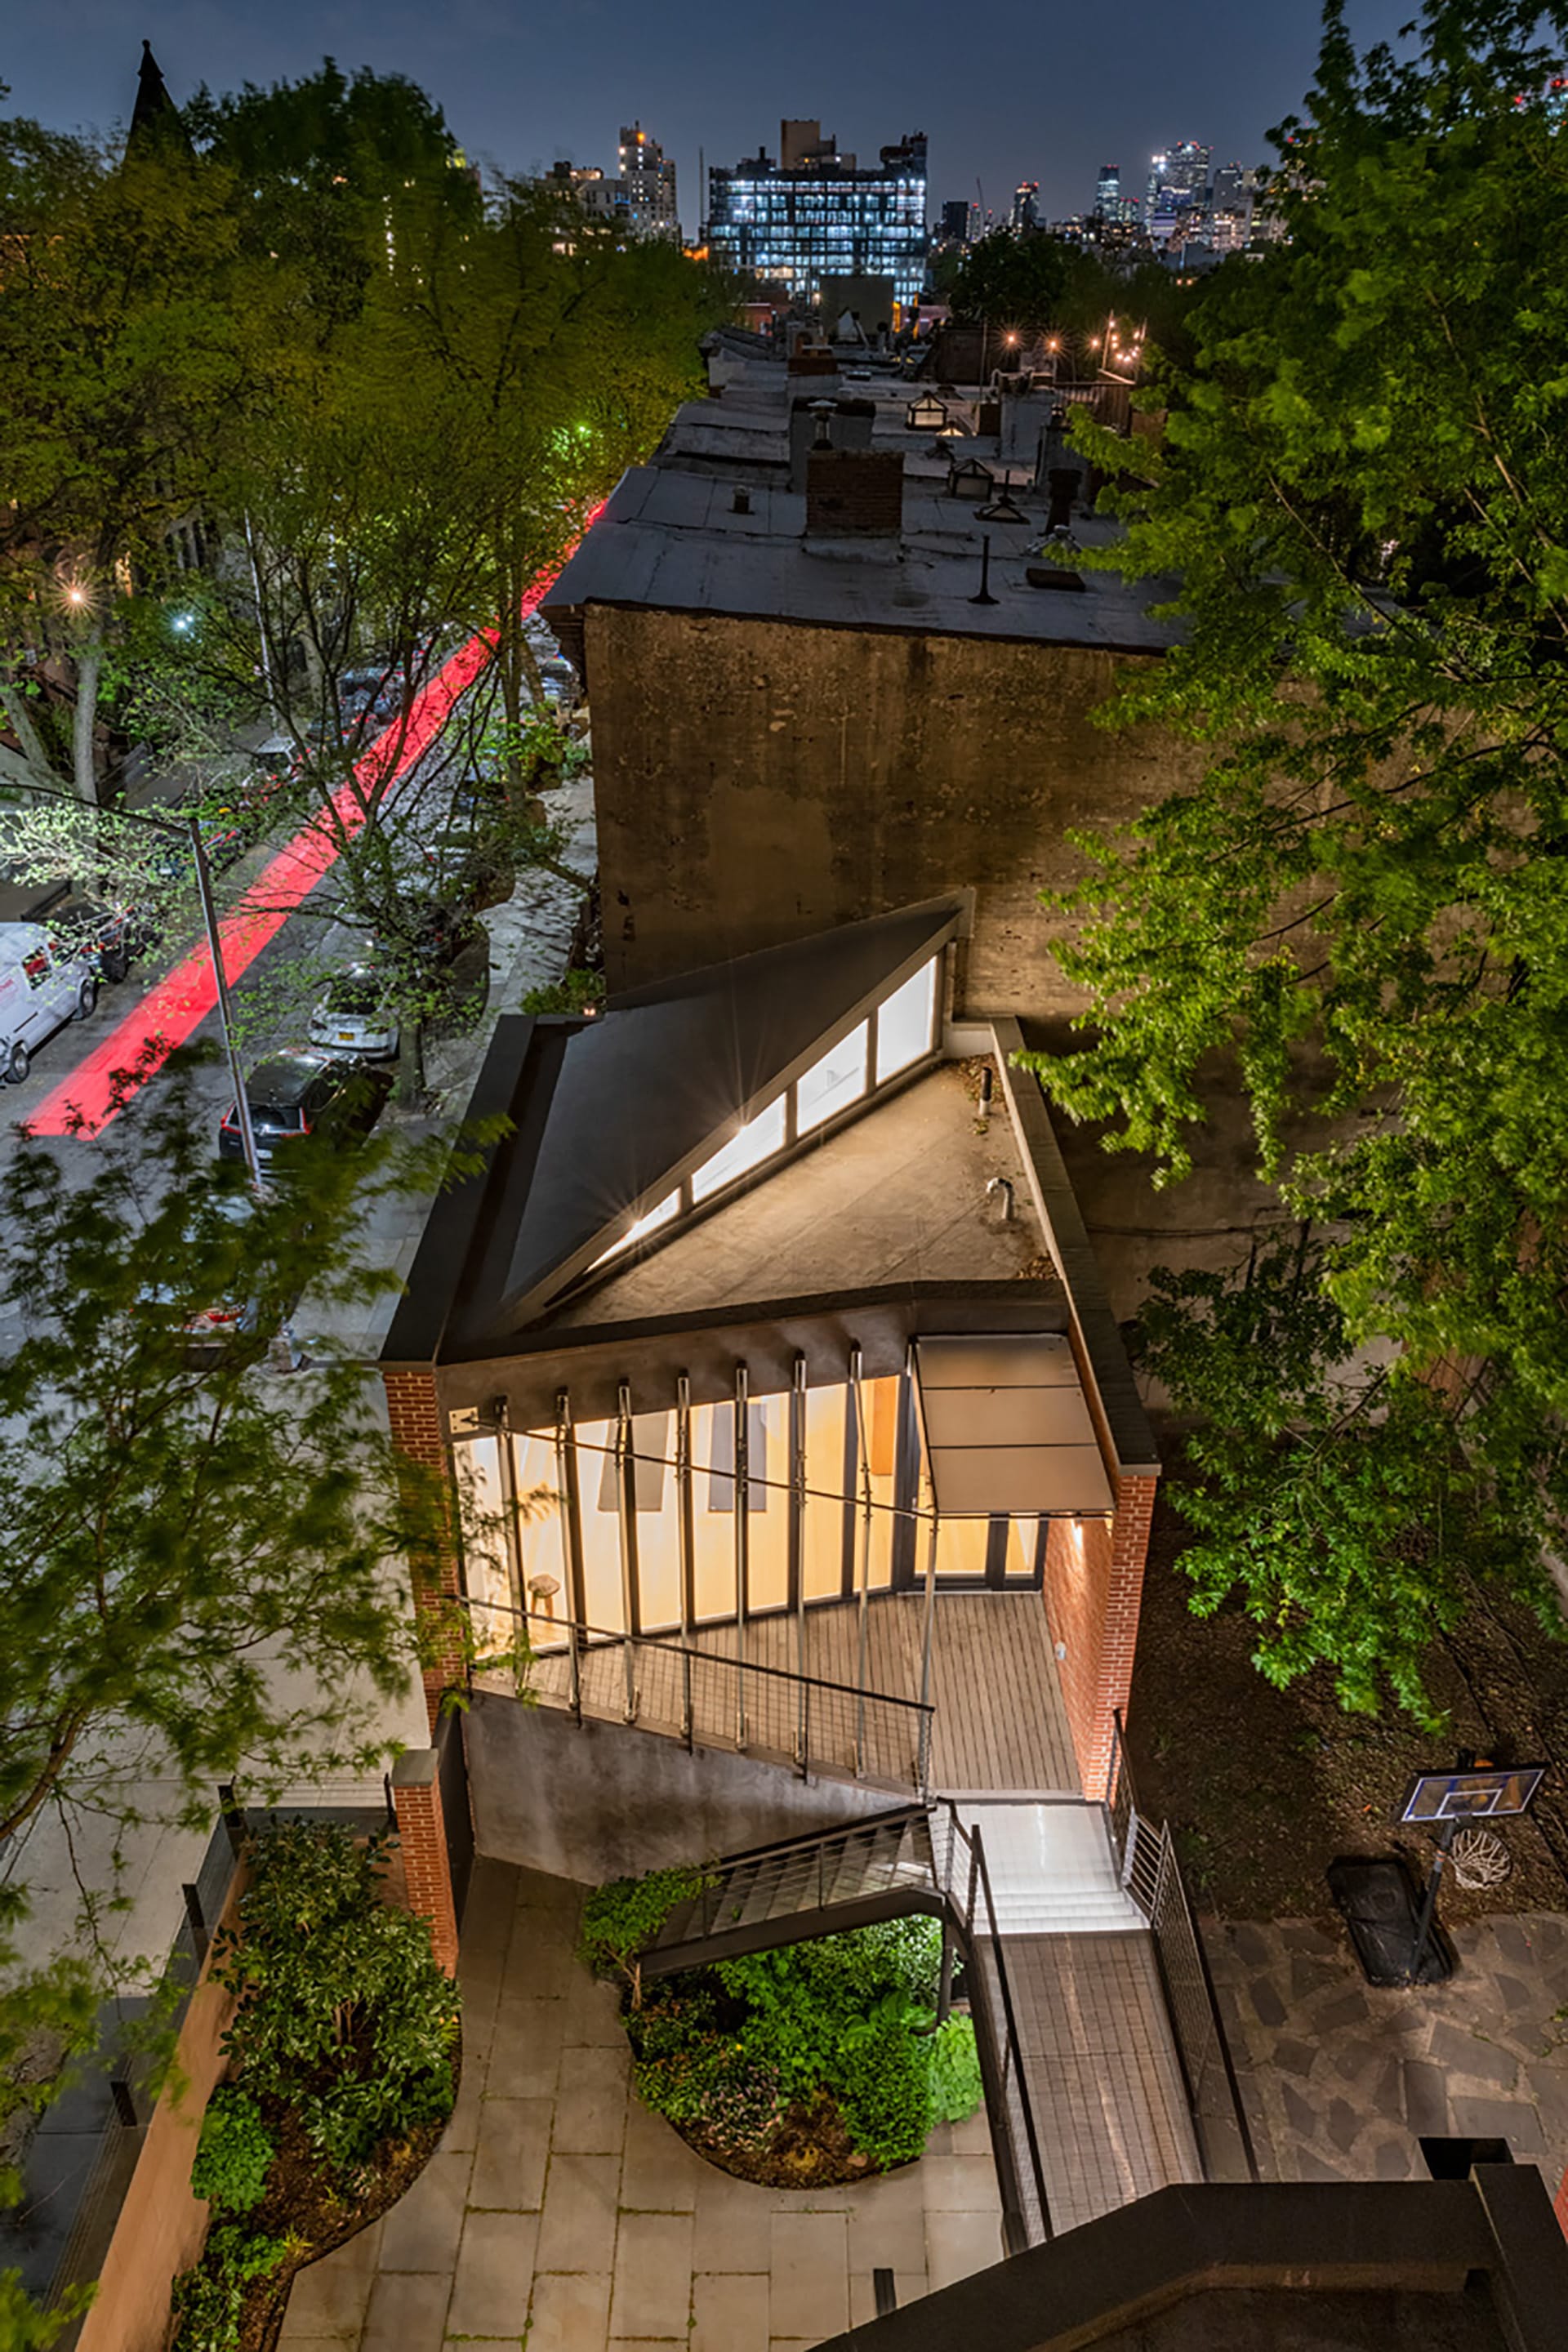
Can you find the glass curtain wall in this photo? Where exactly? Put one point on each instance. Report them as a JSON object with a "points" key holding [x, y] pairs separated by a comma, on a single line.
{"points": [[679, 1516]]}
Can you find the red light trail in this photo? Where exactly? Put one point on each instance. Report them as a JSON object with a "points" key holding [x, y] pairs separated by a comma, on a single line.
{"points": [[174, 1008]]}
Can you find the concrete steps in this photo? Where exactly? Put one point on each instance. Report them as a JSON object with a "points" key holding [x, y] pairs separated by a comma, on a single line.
{"points": [[1052, 1867]]}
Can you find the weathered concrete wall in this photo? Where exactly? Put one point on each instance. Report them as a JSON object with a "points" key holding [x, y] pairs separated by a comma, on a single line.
{"points": [[757, 780], [599, 1801]]}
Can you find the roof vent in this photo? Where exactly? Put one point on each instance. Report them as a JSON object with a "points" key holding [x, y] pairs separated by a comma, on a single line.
{"points": [[1050, 575], [741, 503]]}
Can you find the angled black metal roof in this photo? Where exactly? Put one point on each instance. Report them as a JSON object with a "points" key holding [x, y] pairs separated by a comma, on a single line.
{"points": [[608, 1115]]}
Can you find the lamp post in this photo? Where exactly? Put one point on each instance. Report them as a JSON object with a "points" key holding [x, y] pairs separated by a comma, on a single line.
{"points": [[226, 1021], [192, 828]]}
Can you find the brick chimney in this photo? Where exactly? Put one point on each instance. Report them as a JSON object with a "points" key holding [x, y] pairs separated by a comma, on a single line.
{"points": [[854, 493]]}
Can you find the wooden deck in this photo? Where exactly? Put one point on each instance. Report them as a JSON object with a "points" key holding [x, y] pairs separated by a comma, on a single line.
{"points": [[999, 1722]]}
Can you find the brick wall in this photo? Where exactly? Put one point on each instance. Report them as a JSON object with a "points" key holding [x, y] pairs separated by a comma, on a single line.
{"points": [[854, 493], [1094, 1588], [414, 1414], [422, 1841], [757, 780]]}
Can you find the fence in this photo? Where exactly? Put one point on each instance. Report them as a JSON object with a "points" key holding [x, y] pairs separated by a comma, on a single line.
{"points": [[1151, 1874], [80, 2163], [708, 1699]]}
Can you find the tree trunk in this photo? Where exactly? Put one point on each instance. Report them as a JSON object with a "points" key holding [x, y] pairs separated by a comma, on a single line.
{"points": [[89, 671], [411, 1059], [14, 702]]}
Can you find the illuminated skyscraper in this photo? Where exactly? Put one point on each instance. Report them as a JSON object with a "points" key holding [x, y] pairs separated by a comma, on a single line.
{"points": [[1178, 183], [813, 215]]}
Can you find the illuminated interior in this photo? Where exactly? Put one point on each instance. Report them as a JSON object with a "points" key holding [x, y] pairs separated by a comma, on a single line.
{"points": [[661, 1522]]}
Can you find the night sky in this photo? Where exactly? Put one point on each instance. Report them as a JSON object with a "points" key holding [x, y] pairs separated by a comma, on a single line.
{"points": [[1019, 90]]}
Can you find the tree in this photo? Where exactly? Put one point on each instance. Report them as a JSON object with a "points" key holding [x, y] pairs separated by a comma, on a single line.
{"points": [[1362, 489], [194, 1556], [123, 363]]}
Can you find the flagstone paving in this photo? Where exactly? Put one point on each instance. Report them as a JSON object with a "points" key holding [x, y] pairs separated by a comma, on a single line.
{"points": [[1341, 2079], [558, 2205]]}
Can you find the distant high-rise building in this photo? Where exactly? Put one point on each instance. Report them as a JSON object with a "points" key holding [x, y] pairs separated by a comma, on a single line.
{"points": [[648, 176], [1178, 183], [639, 202], [814, 215], [1115, 210], [954, 223], [1026, 205]]}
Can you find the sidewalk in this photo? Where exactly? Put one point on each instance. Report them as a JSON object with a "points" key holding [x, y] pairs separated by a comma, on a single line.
{"points": [[559, 2205], [1340, 2079]]}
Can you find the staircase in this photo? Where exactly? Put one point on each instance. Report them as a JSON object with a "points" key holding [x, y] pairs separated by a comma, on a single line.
{"points": [[882, 1866], [1053, 1869], [878, 1867]]}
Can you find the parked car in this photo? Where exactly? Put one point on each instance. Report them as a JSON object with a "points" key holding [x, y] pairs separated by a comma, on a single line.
{"points": [[108, 938], [558, 678], [44, 984], [471, 861], [292, 1096], [355, 1016], [211, 1331]]}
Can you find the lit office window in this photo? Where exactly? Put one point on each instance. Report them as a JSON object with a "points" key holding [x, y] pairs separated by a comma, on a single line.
{"points": [[759, 1138], [904, 1023], [832, 1084]]}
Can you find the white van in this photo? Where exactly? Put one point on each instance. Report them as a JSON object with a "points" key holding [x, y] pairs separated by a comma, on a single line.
{"points": [[44, 984]]}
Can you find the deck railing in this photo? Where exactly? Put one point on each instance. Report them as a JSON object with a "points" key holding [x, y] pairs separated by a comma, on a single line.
{"points": [[707, 1698], [1151, 1875]]}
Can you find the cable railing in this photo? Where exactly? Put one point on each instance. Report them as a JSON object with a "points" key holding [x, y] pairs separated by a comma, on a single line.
{"points": [[1152, 1877], [884, 1865], [707, 1698]]}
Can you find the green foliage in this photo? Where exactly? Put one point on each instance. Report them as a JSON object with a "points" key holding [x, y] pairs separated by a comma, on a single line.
{"points": [[235, 2154], [23, 2327], [575, 993], [1356, 901], [956, 2085], [343, 2014], [137, 1578], [847, 2016], [209, 2301], [621, 1916]]}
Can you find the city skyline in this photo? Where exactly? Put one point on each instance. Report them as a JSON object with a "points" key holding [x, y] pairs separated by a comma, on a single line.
{"points": [[1138, 83]]}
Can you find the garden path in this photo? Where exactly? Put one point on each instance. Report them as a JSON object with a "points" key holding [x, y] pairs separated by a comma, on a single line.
{"points": [[1340, 2079], [559, 2205]]}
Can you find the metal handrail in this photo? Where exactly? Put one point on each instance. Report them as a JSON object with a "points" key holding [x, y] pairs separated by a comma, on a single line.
{"points": [[677, 1648]]}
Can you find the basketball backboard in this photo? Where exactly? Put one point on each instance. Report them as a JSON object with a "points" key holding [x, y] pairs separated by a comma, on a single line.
{"points": [[1482, 1795]]}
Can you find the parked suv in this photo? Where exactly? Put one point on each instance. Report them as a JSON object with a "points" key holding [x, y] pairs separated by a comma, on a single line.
{"points": [[292, 1096]]}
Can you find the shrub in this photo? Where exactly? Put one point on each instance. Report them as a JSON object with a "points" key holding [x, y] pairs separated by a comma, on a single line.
{"points": [[235, 2154], [575, 991], [957, 2087], [620, 1917], [731, 2047], [343, 2012], [209, 2302]]}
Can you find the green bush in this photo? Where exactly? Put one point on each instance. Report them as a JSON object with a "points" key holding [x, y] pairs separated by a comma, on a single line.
{"points": [[209, 2301], [848, 2016], [235, 2154], [575, 991], [957, 2084], [343, 2012], [624, 1915]]}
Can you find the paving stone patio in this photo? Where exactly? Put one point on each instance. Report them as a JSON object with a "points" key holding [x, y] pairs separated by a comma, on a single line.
{"points": [[558, 2205], [1340, 2079]]}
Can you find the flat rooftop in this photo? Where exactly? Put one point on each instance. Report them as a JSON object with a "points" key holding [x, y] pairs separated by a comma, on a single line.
{"points": [[671, 538]]}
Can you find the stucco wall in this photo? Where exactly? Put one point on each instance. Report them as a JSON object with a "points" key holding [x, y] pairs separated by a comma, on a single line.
{"points": [[757, 780], [597, 1801]]}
